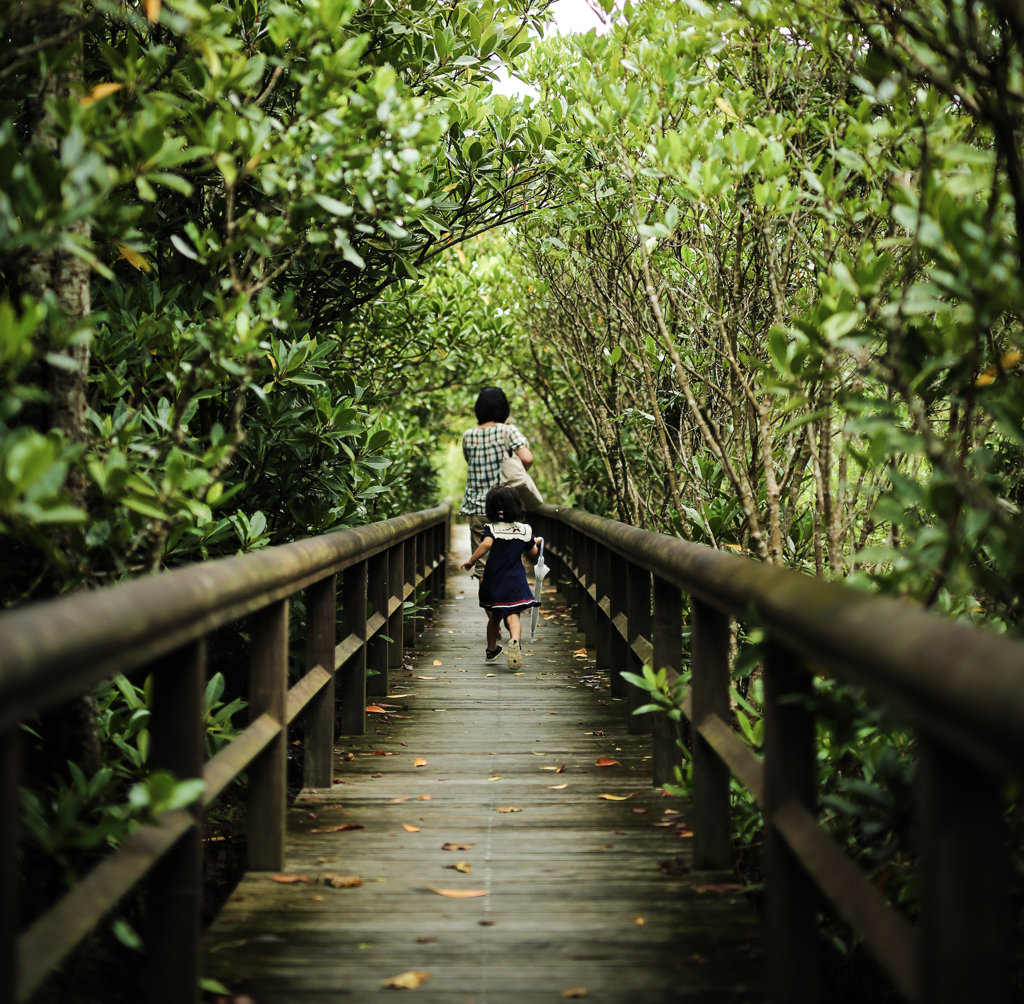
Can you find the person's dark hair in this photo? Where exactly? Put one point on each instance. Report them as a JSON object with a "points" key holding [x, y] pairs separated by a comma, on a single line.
{"points": [[492, 405], [503, 505]]}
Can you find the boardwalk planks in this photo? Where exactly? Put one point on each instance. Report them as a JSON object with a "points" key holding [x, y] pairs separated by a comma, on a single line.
{"points": [[566, 877]]}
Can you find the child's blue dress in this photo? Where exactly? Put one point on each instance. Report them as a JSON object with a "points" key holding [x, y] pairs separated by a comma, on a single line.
{"points": [[504, 588]]}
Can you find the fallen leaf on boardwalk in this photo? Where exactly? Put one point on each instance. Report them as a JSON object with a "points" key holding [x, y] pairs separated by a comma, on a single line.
{"points": [[492, 674], [410, 828], [458, 893], [317, 899], [684, 831], [639, 921], [349, 756], [456, 847], [605, 762], [422, 798], [666, 794], [579, 651], [437, 662], [558, 787], [673, 866], [494, 777], [327, 861], [343, 881], [425, 941], [538, 753], [379, 753], [555, 769], [462, 866], [419, 762], [617, 798], [509, 808], [376, 709], [426, 677], [723, 887], [574, 992], [401, 798], [337, 829], [289, 878], [229, 944], [407, 981]]}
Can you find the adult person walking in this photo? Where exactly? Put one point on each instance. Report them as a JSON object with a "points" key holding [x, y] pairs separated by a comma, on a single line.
{"points": [[484, 447]]}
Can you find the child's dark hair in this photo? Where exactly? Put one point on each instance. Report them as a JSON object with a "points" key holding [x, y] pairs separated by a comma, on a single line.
{"points": [[503, 505], [491, 405]]}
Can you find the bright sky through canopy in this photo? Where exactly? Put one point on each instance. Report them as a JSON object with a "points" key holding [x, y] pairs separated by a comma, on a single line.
{"points": [[569, 16]]}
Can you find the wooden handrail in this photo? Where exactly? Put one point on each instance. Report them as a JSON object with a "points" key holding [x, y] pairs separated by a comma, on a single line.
{"points": [[961, 687], [54, 650]]}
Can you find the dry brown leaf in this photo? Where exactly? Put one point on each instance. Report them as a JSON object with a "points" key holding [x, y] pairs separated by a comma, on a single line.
{"points": [[494, 777], [419, 762], [401, 798], [639, 921], [409, 828], [509, 808], [574, 992], [458, 893], [492, 674], [137, 261], [617, 798], [456, 847], [579, 651], [337, 829], [288, 879], [343, 881], [422, 798], [317, 899], [152, 11], [462, 866], [425, 940], [558, 787], [407, 981], [605, 762], [327, 861], [426, 677], [723, 887], [99, 91], [437, 662], [550, 768], [376, 709]]}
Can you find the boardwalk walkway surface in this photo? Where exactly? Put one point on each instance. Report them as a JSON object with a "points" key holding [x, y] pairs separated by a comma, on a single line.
{"points": [[574, 897]]}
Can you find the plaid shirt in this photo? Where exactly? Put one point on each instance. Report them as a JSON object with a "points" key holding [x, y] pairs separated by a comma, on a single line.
{"points": [[484, 450]]}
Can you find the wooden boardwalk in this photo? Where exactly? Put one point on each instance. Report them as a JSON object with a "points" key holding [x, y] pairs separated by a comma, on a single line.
{"points": [[573, 896]]}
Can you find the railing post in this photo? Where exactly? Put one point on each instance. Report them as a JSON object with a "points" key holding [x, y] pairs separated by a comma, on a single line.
{"points": [[638, 602], [618, 649], [318, 741], [437, 577], [668, 655], [377, 647], [396, 627], [421, 571], [964, 878], [791, 903], [10, 816], [409, 560], [709, 686], [602, 576], [268, 694], [352, 675], [576, 542], [174, 914], [589, 603]]}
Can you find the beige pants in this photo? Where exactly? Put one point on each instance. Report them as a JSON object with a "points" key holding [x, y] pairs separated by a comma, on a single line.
{"points": [[476, 534]]}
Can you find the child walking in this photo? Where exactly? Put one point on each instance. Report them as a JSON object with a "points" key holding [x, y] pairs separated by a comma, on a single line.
{"points": [[504, 589]]}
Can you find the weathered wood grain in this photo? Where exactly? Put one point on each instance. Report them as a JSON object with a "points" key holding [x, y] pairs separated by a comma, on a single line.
{"points": [[567, 877]]}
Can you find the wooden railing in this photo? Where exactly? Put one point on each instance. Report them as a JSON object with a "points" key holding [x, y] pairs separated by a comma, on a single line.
{"points": [[961, 688], [55, 650]]}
